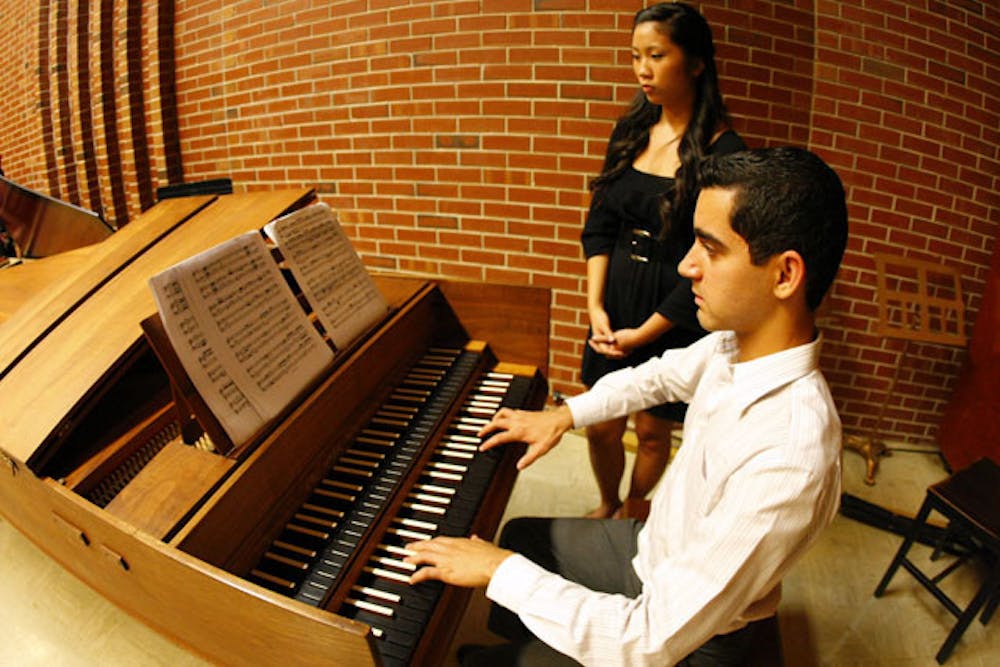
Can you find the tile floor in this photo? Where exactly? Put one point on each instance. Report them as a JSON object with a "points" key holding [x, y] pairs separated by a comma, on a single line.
{"points": [[828, 615]]}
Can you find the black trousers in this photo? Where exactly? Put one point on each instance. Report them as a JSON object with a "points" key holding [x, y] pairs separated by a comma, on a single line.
{"points": [[598, 555]]}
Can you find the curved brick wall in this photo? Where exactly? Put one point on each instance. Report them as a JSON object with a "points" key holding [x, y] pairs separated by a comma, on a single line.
{"points": [[456, 138]]}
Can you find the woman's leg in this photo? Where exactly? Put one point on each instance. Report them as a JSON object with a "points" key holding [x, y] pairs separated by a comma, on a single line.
{"points": [[652, 455], [607, 459]]}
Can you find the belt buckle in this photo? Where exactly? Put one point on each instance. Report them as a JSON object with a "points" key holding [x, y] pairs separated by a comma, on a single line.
{"points": [[641, 245]]}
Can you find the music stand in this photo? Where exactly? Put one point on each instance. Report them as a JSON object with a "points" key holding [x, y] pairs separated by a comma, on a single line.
{"points": [[917, 301]]}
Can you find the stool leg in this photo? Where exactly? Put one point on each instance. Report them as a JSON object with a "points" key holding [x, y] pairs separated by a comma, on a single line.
{"points": [[991, 606], [921, 517], [939, 545], [963, 621]]}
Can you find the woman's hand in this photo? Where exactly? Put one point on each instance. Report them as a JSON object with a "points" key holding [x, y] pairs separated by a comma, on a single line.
{"points": [[602, 337], [627, 340], [600, 325]]}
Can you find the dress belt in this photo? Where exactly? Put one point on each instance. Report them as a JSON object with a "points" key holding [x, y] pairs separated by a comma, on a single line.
{"points": [[641, 245]]}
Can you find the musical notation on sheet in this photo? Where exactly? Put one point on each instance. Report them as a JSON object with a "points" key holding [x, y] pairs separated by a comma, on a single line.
{"points": [[240, 333], [329, 271]]}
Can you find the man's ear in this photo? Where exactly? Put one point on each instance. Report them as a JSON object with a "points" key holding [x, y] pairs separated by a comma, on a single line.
{"points": [[790, 274]]}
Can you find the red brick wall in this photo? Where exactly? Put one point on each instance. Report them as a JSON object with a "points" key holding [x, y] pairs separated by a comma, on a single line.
{"points": [[906, 107], [20, 123], [456, 138], [80, 103]]}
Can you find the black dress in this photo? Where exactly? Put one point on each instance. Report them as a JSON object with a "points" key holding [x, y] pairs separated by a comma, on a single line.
{"points": [[624, 223]]}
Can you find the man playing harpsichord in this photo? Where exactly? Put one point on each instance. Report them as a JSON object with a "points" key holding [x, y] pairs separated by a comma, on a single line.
{"points": [[755, 482]]}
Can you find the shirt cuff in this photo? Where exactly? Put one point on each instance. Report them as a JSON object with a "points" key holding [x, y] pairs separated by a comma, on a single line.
{"points": [[579, 406], [513, 582]]}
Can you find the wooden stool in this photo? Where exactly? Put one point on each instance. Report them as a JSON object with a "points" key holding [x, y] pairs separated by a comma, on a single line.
{"points": [[970, 500]]}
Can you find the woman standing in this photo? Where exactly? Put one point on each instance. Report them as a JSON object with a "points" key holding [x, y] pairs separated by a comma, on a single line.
{"points": [[640, 226]]}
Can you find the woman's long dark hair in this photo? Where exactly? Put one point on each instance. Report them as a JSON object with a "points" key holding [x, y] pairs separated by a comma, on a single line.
{"points": [[689, 30]]}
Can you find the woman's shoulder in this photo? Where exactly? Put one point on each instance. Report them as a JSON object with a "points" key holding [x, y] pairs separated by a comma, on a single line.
{"points": [[726, 141]]}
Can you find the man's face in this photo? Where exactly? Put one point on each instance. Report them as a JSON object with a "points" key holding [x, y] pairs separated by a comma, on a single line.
{"points": [[731, 293]]}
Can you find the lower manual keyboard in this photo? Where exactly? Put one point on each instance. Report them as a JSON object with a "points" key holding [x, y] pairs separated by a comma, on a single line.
{"points": [[444, 502], [307, 559]]}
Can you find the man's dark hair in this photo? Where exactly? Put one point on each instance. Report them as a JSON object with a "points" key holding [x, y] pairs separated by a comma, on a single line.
{"points": [[787, 199]]}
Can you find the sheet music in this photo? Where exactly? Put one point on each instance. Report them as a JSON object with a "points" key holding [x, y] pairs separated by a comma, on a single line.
{"points": [[329, 271], [240, 333]]}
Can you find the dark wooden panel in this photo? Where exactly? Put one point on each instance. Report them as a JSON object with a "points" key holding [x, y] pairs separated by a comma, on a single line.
{"points": [[970, 427]]}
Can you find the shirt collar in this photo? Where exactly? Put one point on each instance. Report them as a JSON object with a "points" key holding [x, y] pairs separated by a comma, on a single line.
{"points": [[756, 378]]}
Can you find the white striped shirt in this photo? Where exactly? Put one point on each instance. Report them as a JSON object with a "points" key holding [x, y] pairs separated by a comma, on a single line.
{"points": [[756, 480]]}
